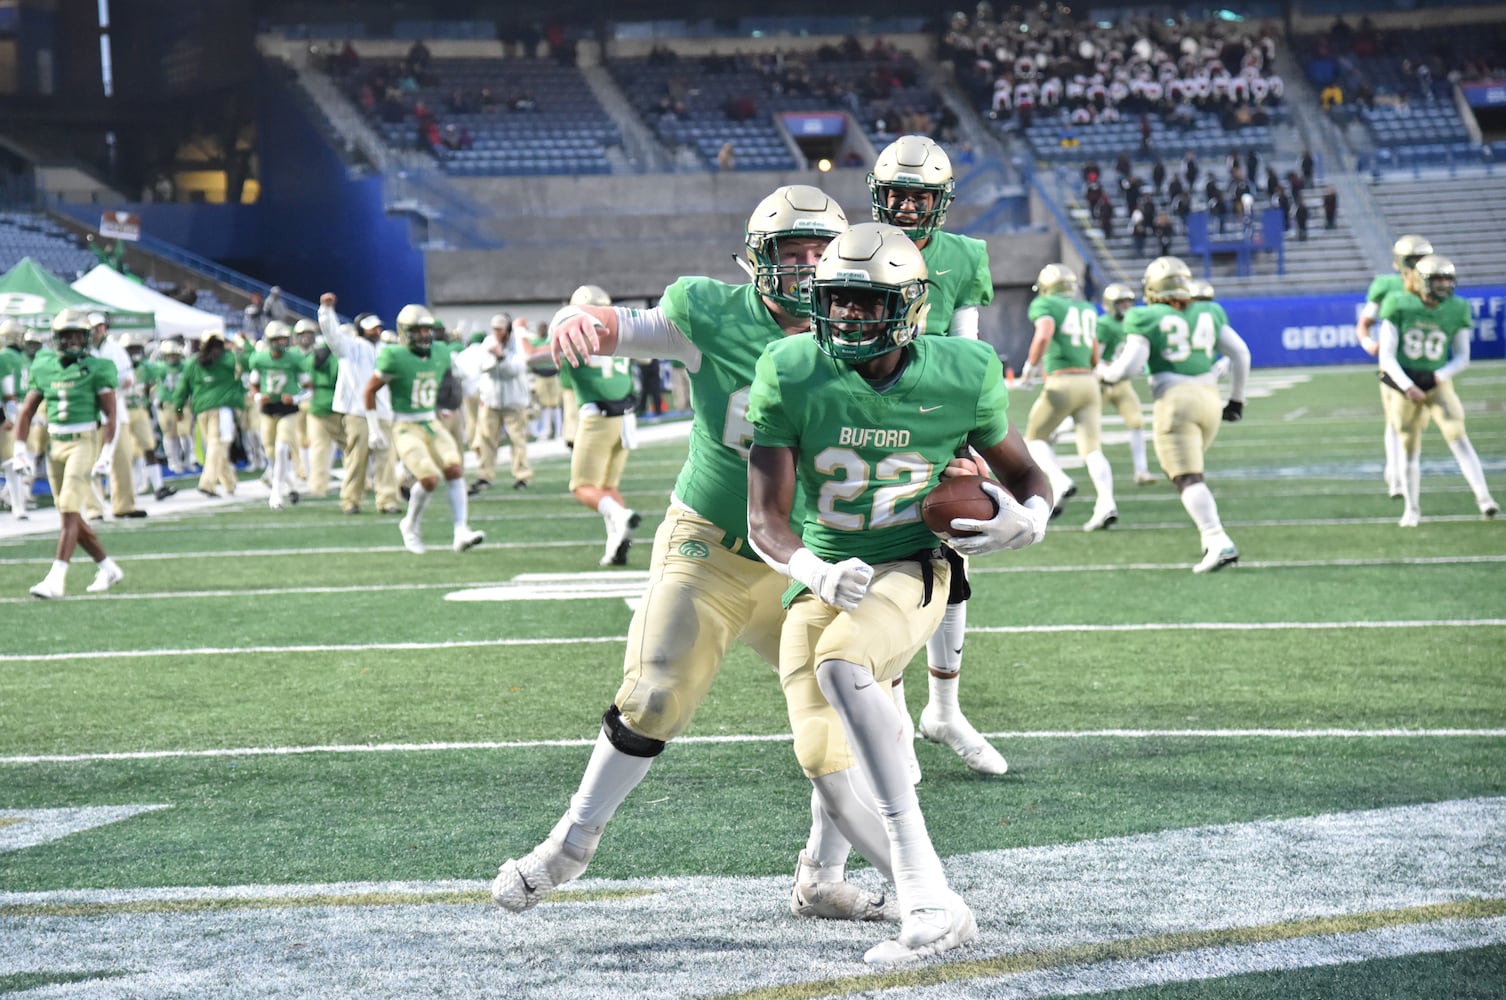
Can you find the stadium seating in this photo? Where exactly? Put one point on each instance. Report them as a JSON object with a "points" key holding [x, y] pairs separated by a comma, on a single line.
{"points": [[28, 234]]}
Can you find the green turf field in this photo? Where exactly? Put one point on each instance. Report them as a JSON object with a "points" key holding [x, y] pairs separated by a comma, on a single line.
{"points": [[278, 761]]}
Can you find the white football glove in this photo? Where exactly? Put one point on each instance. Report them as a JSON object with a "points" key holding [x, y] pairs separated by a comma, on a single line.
{"points": [[1026, 378], [1015, 526], [106, 457], [21, 461], [572, 335], [376, 439], [842, 585]]}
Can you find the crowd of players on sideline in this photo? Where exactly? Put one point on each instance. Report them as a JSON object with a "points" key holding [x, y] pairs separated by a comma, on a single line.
{"points": [[889, 392]]}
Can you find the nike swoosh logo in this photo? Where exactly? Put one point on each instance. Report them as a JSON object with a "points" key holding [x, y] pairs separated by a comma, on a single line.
{"points": [[947, 271], [866, 681], [958, 651], [930, 409]]}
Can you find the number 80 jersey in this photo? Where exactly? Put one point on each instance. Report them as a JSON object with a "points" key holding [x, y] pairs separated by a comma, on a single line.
{"points": [[730, 326]]}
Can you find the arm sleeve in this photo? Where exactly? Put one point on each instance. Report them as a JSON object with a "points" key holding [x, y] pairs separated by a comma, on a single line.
{"points": [[1460, 359], [965, 323], [1233, 346], [1390, 338], [649, 333], [1132, 357]]}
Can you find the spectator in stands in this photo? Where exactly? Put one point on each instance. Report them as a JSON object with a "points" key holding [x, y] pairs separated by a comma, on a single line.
{"points": [[1218, 206], [1190, 168], [1330, 207], [1308, 167], [1302, 214], [1105, 215], [418, 56], [349, 60], [523, 100], [1331, 97], [1139, 230], [275, 307], [741, 108], [726, 157], [1157, 176]]}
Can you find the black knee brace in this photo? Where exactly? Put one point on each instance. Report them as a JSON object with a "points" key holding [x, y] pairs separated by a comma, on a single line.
{"points": [[624, 739]]}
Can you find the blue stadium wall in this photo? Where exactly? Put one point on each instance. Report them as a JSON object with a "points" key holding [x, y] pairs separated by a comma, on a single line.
{"points": [[1319, 330]]}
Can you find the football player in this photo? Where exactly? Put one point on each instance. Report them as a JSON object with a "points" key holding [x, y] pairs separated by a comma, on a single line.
{"points": [[864, 417], [212, 380], [12, 363], [1424, 344], [177, 435], [278, 380], [1117, 300], [1405, 253], [326, 427], [120, 474], [548, 394], [145, 377], [411, 369], [305, 333], [79, 392], [605, 431], [1065, 350], [911, 186], [1179, 339], [707, 588]]}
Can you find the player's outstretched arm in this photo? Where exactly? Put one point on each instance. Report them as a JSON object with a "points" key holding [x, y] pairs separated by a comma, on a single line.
{"points": [[577, 332]]}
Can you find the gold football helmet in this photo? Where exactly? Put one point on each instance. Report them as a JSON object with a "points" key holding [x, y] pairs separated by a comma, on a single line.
{"points": [[1202, 291], [415, 329], [1167, 278], [1435, 273], [1057, 279], [912, 163], [869, 293], [1408, 250], [70, 333], [171, 349], [585, 295], [793, 211], [277, 336], [1117, 298], [12, 333], [134, 344]]}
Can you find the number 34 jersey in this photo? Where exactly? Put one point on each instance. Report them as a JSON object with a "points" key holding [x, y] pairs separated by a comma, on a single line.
{"points": [[866, 458], [1182, 342], [730, 325], [414, 380]]}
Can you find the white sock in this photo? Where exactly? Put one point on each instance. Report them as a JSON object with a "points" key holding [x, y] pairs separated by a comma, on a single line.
{"points": [[459, 505], [944, 648], [418, 499], [1198, 500], [1045, 457], [1137, 450], [285, 460], [58, 573], [138, 472], [185, 451], [108, 564], [1469, 464], [1396, 459], [1102, 476], [1411, 486], [918, 877], [610, 776], [16, 483], [154, 476], [608, 508]]}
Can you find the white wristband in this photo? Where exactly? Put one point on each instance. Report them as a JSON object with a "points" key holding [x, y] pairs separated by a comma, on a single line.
{"points": [[804, 566]]}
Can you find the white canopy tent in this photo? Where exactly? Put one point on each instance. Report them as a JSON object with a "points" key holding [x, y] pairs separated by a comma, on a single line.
{"points": [[174, 319]]}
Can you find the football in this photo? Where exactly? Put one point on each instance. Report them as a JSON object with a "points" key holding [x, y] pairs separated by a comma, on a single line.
{"points": [[957, 496]]}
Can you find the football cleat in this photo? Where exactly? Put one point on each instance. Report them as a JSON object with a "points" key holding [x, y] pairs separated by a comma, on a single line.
{"points": [[1101, 519], [1144, 479], [411, 540], [465, 538], [1489, 508], [976, 752], [479, 486], [1061, 503], [620, 537], [926, 932], [523, 883], [165, 491], [1410, 519], [1216, 557], [836, 900], [104, 579], [275, 503], [47, 590]]}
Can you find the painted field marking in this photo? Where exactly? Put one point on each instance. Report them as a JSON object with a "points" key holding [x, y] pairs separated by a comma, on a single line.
{"points": [[22, 828]]}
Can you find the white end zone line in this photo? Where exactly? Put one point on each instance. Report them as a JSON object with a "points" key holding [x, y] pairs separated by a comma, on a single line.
{"points": [[1041, 734], [114, 654]]}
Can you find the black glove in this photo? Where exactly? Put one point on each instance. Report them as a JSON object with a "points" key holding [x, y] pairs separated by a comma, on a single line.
{"points": [[1234, 411]]}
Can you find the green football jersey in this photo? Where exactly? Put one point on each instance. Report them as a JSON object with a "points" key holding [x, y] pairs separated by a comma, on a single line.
{"points": [[866, 458], [602, 380], [12, 366], [1383, 285], [170, 374], [146, 374], [71, 392], [1110, 333], [731, 326], [1075, 333], [1426, 333], [322, 380], [414, 381], [957, 277], [1180, 342], [212, 387], [278, 376]]}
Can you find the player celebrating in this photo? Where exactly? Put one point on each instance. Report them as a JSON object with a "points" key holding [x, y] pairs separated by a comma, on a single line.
{"points": [[1065, 348], [277, 379], [706, 587], [79, 390], [212, 380], [864, 417], [1405, 253], [1179, 339], [911, 187], [1424, 344], [412, 369], [1117, 300]]}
